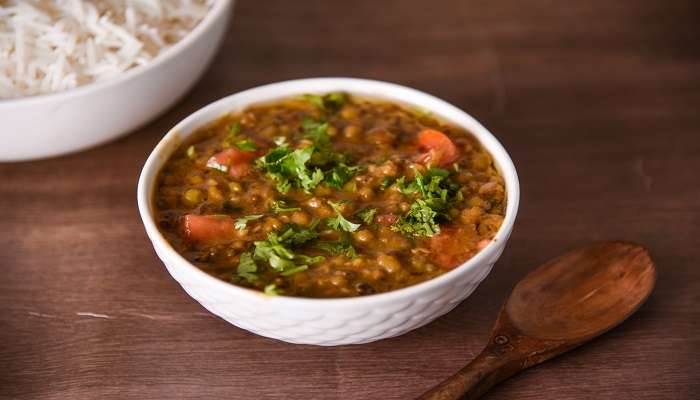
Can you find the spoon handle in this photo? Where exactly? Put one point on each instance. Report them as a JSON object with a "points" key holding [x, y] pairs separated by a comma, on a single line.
{"points": [[475, 379]]}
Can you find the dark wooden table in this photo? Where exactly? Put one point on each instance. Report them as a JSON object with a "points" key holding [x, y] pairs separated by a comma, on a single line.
{"points": [[598, 103]]}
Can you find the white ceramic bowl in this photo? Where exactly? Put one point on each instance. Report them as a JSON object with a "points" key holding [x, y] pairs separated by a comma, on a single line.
{"points": [[63, 122], [328, 322]]}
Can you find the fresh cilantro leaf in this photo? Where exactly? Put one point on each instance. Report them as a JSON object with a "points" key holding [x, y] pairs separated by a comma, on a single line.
{"points": [[281, 206], [235, 128], [288, 168], [314, 99], [243, 221], [232, 136], [246, 145], [297, 235], [342, 246], [405, 188], [339, 175], [334, 101], [316, 131], [247, 268], [339, 223], [191, 153], [436, 192], [283, 264], [419, 221], [330, 102], [367, 215], [310, 259], [271, 290], [294, 270], [310, 182], [326, 158], [277, 249]]}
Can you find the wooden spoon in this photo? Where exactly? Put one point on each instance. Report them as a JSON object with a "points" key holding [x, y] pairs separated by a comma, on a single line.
{"points": [[562, 304]]}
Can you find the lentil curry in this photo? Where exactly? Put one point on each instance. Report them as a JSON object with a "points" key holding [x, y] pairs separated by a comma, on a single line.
{"points": [[329, 196]]}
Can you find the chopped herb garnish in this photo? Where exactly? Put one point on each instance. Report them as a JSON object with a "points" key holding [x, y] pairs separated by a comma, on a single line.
{"points": [[232, 136], [281, 206], [339, 223], [342, 246], [367, 215], [271, 290], [419, 221], [234, 128], [330, 102], [191, 153], [436, 192], [247, 268], [306, 168], [316, 131], [277, 249], [339, 175], [300, 235], [288, 168], [243, 221], [246, 145]]}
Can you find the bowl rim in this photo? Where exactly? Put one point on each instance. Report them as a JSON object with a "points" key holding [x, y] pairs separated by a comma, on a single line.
{"points": [[387, 91], [219, 8]]}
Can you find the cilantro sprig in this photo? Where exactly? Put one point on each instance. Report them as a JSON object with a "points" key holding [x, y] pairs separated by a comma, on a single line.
{"points": [[316, 131], [247, 268], [342, 246], [232, 135], [419, 221], [308, 167], [272, 290], [367, 215], [242, 222], [330, 102], [246, 145], [339, 223], [435, 191], [288, 167], [339, 175], [278, 249], [281, 206]]}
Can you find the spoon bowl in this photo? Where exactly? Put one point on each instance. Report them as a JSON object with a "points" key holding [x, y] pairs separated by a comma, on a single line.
{"points": [[583, 292], [557, 307]]}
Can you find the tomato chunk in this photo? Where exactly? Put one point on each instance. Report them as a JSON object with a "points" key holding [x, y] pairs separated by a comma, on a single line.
{"points": [[231, 156], [206, 228], [238, 171], [387, 219], [446, 251], [440, 150]]}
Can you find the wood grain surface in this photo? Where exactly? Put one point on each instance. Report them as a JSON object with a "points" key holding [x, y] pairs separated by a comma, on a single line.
{"points": [[597, 102]]}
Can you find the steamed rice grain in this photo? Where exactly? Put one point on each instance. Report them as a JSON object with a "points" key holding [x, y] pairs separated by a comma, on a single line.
{"points": [[52, 45]]}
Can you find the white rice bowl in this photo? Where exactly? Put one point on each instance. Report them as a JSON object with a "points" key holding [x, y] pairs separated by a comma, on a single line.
{"points": [[75, 74], [52, 45]]}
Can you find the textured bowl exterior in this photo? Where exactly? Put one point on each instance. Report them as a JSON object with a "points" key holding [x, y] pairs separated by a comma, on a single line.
{"points": [[328, 322], [331, 323], [64, 122]]}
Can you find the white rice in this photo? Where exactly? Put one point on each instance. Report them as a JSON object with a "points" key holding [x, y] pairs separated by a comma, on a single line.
{"points": [[52, 45]]}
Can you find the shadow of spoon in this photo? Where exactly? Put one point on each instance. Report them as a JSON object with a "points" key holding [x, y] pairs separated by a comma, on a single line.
{"points": [[561, 305]]}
